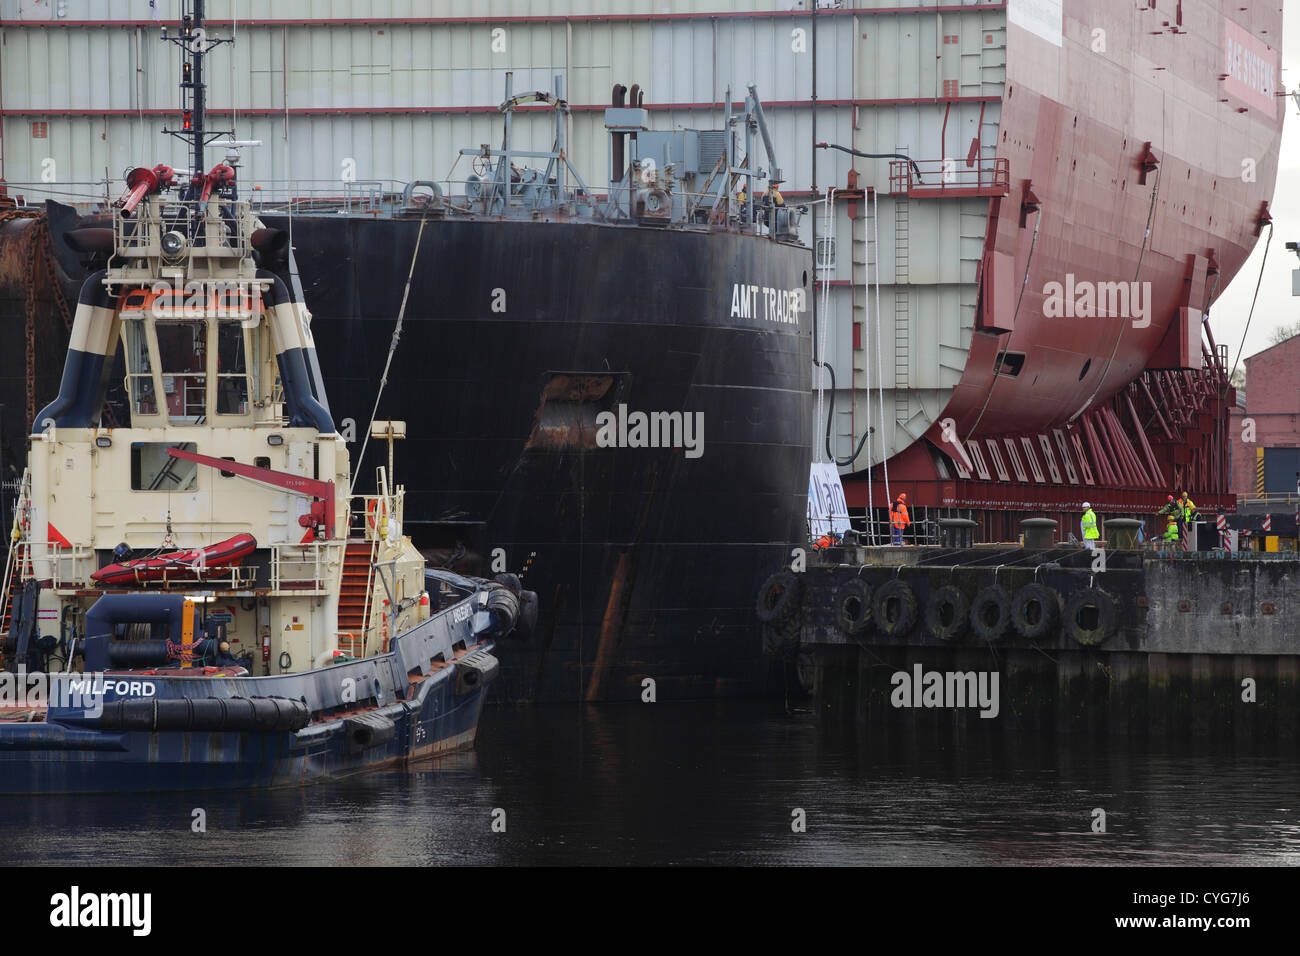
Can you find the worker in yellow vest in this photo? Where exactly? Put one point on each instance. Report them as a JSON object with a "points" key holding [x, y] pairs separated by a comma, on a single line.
{"points": [[1171, 530], [1186, 513], [1089, 525]]}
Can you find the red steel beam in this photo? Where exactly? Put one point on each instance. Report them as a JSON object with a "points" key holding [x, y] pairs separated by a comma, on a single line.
{"points": [[1155, 407], [279, 111], [1156, 472]]}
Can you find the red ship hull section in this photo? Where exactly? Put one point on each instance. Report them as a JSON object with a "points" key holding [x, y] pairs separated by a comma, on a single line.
{"points": [[1075, 126]]}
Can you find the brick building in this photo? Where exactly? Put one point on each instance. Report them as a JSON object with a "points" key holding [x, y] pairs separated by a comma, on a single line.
{"points": [[1269, 465]]}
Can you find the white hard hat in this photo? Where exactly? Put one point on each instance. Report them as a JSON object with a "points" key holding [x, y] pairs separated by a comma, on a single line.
{"points": [[1087, 504]]}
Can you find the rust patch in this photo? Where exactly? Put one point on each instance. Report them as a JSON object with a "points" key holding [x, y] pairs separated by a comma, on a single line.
{"points": [[577, 388], [620, 596], [610, 625], [566, 413]]}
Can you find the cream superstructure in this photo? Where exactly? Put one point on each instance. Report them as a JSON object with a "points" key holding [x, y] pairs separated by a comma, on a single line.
{"points": [[219, 362]]}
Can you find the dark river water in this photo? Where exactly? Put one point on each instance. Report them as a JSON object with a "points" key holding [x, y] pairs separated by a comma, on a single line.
{"points": [[713, 784]]}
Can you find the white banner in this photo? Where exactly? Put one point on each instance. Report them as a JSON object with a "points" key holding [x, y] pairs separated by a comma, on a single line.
{"points": [[827, 508]]}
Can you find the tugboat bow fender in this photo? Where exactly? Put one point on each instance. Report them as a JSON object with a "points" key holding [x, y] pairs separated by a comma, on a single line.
{"points": [[503, 606], [265, 715], [369, 730], [475, 671], [528, 610]]}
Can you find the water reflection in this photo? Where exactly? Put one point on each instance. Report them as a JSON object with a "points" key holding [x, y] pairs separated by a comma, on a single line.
{"points": [[710, 783]]}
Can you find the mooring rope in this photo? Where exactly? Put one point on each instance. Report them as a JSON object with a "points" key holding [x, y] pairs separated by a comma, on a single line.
{"points": [[392, 349], [1251, 314]]}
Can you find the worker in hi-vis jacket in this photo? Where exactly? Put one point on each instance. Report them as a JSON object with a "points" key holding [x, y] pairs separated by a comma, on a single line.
{"points": [[1089, 526]]}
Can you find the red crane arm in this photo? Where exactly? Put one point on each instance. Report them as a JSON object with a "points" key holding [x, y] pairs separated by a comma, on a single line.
{"points": [[322, 490]]}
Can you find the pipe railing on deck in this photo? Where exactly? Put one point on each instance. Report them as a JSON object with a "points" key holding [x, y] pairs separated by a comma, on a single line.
{"points": [[308, 568]]}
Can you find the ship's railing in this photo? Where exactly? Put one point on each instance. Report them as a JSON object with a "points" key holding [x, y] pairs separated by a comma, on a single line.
{"points": [[65, 566], [1270, 499], [360, 642], [386, 198], [86, 197], [374, 514], [16, 562], [307, 568], [987, 176], [366, 197], [217, 228], [213, 579]]}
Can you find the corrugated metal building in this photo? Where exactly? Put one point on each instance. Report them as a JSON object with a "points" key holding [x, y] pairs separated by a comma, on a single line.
{"points": [[344, 93]]}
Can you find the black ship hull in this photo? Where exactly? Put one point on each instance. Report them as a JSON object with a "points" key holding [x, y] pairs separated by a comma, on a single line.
{"points": [[646, 559]]}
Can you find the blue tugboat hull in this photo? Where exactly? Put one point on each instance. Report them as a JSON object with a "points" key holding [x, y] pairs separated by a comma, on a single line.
{"points": [[49, 757], [137, 731]]}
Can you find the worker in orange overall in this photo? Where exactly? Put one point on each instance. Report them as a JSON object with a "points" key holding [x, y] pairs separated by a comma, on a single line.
{"points": [[898, 519]]}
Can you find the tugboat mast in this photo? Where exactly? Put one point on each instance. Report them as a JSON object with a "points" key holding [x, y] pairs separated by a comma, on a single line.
{"points": [[195, 44]]}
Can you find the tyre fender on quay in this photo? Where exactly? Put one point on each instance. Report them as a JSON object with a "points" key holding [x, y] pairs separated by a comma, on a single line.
{"points": [[779, 596], [951, 600], [1106, 616], [1033, 624], [894, 608], [853, 606], [990, 613]]}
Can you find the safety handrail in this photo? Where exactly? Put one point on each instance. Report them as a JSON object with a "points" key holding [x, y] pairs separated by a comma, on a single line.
{"points": [[304, 568], [986, 176]]}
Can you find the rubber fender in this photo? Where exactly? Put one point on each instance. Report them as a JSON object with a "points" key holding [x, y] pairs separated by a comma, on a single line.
{"points": [[1035, 611], [990, 613], [234, 714], [947, 602], [365, 731], [779, 596], [529, 606], [504, 608], [853, 606], [894, 608], [1105, 627], [509, 580], [475, 671]]}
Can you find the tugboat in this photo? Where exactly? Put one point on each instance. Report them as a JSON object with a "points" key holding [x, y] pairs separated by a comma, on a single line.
{"points": [[669, 298], [217, 608]]}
